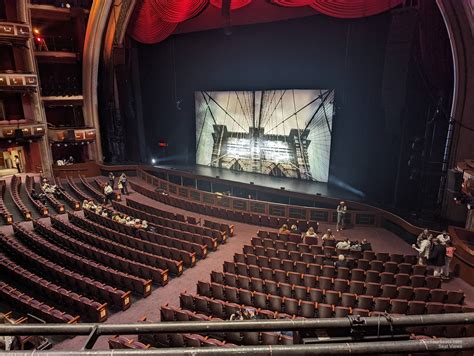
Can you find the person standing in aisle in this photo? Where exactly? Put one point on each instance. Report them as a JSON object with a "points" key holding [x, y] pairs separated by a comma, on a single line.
{"points": [[341, 214], [112, 180], [123, 182]]}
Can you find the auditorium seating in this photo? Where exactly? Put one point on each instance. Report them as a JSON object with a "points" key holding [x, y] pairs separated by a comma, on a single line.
{"points": [[30, 305], [199, 250], [73, 202], [140, 256], [91, 309], [228, 229], [162, 213], [102, 272], [57, 206], [4, 212], [188, 258], [126, 265], [15, 185], [223, 213], [121, 342], [39, 206], [181, 340], [217, 236], [97, 195], [100, 184], [77, 191], [79, 282]]}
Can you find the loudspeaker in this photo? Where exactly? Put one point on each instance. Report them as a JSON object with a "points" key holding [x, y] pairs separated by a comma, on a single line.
{"points": [[454, 181]]}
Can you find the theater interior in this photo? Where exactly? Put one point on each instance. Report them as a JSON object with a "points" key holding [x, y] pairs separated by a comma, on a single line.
{"points": [[262, 177]]}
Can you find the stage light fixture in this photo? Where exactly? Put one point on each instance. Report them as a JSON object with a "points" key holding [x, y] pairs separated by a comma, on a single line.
{"points": [[282, 188], [153, 161], [251, 182]]}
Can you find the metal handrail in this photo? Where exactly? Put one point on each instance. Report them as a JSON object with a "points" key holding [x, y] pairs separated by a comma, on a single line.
{"points": [[353, 348], [238, 325]]}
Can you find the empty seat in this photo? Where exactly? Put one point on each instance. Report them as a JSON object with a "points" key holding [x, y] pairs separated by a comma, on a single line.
{"points": [[372, 289], [348, 300], [387, 278], [307, 309], [433, 282], [340, 311], [455, 297], [405, 292], [358, 274], [389, 291], [398, 306], [372, 276], [376, 265], [437, 295], [402, 279], [343, 273], [325, 282], [421, 294], [405, 268], [365, 302], [315, 295], [416, 307], [341, 285], [271, 287], [291, 306], [391, 267], [285, 289], [381, 304], [325, 310], [332, 297], [356, 287]]}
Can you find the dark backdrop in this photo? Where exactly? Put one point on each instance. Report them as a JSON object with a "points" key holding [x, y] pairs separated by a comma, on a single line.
{"points": [[313, 52]]}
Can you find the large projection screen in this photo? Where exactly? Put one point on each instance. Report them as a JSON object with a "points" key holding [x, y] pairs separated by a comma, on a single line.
{"points": [[285, 133]]}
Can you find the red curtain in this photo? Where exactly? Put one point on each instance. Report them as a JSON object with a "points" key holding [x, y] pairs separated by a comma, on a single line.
{"points": [[234, 5], [155, 20], [292, 3], [343, 8], [353, 8]]}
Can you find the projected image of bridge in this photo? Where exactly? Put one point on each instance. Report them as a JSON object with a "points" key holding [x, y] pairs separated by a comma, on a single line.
{"points": [[284, 133]]}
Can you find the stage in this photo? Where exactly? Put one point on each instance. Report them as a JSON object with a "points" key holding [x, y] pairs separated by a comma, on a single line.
{"points": [[260, 180]]}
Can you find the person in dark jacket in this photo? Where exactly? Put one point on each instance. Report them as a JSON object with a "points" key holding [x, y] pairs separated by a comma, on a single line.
{"points": [[437, 257]]}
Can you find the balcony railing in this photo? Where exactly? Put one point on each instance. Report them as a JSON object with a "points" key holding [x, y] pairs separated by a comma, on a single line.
{"points": [[356, 328]]}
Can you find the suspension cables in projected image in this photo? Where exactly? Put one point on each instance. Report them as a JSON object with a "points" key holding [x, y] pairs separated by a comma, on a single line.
{"points": [[292, 115], [224, 110]]}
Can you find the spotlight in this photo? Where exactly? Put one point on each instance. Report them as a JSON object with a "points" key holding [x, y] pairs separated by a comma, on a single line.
{"points": [[282, 188], [153, 161]]}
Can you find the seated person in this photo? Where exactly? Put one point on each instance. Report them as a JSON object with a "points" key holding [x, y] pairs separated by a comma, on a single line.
{"points": [[144, 225], [294, 229], [38, 196], [365, 245], [311, 235], [284, 229], [341, 262], [328, 235], [328, 260], [249, 314], [237, 316], [355, 246], [344, 244]]}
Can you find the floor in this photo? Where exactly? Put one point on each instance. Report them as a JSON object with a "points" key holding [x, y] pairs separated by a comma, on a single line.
{"points": [[381, 239]]}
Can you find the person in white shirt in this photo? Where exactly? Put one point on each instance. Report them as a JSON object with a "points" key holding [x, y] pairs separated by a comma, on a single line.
{"points": [[443, 238], [341, 214], [423, 250], [343, 245], [108, 192], [425, 234]]}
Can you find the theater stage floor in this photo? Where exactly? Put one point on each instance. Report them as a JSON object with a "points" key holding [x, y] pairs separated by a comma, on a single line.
{"points": [[292, 185]]}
